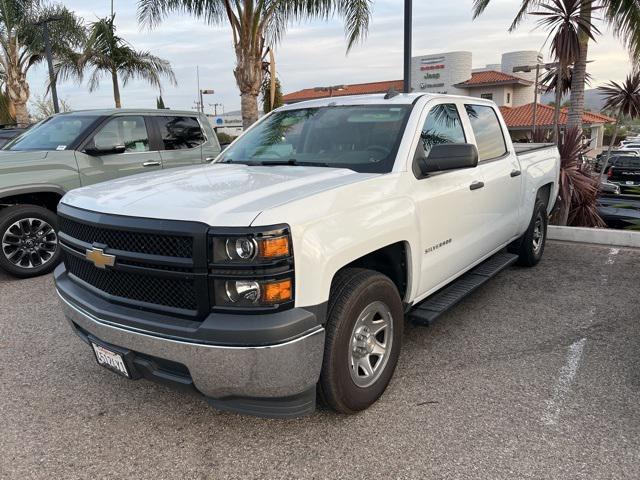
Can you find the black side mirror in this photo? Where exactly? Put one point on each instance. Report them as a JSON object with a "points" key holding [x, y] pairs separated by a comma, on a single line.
{"points": [[448, 156], [111, 150]]}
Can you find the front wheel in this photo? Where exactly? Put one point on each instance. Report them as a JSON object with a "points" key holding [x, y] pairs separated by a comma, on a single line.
{"points": [[530, 246], [363, 339], [28, 240]]}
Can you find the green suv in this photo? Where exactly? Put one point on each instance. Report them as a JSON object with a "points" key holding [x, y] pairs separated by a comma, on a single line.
{"points": [[75, 149]]}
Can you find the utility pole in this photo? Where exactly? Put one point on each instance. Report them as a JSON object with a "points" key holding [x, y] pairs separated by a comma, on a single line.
{"points": [[408, 10], [44, 23]]}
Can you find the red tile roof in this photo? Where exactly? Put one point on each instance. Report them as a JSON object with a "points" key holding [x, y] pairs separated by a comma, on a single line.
{"points": [[492, 77], [523, 116], [354, 89]]}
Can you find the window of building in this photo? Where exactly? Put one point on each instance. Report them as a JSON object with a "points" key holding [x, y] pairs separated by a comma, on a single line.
{"points": [[508, 97], [178, 133], [487, 130], [129, 131], [443, 125], [487, 96]]}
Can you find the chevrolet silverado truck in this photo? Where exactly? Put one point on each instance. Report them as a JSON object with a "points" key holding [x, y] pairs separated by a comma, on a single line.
{"points": [[80, 148], [284, 271]]}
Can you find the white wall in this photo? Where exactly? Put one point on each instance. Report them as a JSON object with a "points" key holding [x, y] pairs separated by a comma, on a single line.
{"points": [[443, 71], [523, 95]]}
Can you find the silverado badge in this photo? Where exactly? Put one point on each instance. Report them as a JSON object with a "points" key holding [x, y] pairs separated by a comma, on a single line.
{"points": [[99, 258]]}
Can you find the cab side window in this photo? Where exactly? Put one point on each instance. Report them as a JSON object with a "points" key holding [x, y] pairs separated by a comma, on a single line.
{"points": [[178, 133], [130, 131], [443, 125], [488, 132]]}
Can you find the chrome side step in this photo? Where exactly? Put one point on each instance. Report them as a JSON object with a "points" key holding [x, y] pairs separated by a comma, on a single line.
{"points": [[426, 312]]}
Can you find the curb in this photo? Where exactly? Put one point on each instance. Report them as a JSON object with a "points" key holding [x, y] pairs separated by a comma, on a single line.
{"points": [[600, 236]]}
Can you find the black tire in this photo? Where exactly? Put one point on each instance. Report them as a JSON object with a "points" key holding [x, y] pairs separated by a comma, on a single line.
{"points": [[353, 291], [530, 246], [46, 250]]}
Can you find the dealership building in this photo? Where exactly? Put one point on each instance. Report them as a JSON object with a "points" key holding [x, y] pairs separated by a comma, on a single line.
{"points": [[453, 73]]}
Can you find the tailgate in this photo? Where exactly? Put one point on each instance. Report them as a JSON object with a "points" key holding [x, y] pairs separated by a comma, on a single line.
{"points": [[625, 174]]}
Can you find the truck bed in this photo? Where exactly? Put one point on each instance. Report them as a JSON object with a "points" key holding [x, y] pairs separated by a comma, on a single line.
{"points": [[524, 148]]}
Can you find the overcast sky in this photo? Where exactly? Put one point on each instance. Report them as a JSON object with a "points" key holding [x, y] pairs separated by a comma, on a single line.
{"points": [[313, 54]]}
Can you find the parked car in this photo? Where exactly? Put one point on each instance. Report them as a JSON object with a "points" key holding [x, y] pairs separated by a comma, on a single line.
{"points": [[609, 188], [70, 150], [615, 155], [290, 263], [631, 147], [8, 133], [620, 211], [625, 172]]}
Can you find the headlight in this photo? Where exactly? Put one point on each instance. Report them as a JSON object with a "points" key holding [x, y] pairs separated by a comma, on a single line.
{"points": [[254, 248], [251, 269]]}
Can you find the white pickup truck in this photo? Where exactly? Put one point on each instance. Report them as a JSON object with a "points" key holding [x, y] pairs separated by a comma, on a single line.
{"points": [[286, 269]]}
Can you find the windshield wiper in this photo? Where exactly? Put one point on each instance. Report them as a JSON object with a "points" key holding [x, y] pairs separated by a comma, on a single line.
{"points": [[295, 163]]}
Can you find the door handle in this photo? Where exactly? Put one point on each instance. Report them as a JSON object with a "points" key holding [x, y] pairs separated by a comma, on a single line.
{"points": [[515, 173], [151, 163], [476, 185]]}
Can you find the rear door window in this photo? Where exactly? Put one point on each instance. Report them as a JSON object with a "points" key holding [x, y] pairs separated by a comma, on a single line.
{"points": [[179, 132], [488, 132]]}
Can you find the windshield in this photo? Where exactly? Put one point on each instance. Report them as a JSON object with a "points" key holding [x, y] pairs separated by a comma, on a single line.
{"points": [[361, 138], [56, 133]]}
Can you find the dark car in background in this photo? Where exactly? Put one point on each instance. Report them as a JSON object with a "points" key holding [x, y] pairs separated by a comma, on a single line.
{"points": [[625, 172], [620, 211], [9, 133]]}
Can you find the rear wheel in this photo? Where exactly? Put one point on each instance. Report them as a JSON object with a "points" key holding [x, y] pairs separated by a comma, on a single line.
{"points": [[363, 339], [530, 246], [28, 240]]}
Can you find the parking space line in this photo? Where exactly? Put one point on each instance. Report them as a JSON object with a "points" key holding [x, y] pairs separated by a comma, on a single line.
{"points": [[567, 375], [611, 257]]}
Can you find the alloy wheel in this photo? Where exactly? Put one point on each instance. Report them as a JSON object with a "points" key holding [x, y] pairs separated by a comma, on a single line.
{"points": [[29, 243]]}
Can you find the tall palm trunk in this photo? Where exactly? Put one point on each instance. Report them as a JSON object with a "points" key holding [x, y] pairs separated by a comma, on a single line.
{"points": [[16, 85], [116, 88], [612, 142], [578, 80], [248, 73], [556, 111]]}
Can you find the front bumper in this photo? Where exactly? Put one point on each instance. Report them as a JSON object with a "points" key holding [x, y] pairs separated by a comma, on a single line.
{"points": [[270, 380]]}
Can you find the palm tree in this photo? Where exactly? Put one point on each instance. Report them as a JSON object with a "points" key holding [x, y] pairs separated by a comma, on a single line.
{"points": [[257, 26], [625, 100], [107, 53], [22, 45], [562, 18], [623, 16]]}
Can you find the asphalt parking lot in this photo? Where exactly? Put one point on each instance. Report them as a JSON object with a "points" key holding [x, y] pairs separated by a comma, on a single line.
{"points": [[536, 375]]}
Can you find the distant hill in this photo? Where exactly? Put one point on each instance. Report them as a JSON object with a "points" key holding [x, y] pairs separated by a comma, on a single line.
{"points": [[592, 99]]}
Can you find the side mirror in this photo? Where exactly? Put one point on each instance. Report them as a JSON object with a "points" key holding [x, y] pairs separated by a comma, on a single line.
{"points": [[448, 156], [105, 150]]}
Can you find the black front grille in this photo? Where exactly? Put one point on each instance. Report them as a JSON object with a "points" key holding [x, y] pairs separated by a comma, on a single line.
{"points": [[170, 292], [129, 241]]}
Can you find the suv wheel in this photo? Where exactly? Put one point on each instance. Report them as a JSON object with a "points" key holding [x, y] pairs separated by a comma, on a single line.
{"points": [[363, 339], [28, 240]]}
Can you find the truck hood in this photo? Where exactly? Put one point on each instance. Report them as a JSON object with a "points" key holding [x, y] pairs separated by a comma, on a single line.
{"points": [[218, 194], [10, 159]]}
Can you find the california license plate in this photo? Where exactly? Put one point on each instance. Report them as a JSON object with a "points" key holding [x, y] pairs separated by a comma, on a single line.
{"points": [[110, 360]]}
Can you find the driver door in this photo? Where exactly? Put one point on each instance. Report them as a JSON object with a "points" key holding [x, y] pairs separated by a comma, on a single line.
{"points": [[102, 157], [447, 203]]}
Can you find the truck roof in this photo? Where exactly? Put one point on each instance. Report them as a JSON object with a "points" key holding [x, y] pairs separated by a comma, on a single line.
{"points": [[377, 99], [140, 111]]}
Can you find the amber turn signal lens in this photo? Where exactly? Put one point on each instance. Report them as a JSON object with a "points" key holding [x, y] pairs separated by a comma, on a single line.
{"points": [[277, 292], [274, 247]]}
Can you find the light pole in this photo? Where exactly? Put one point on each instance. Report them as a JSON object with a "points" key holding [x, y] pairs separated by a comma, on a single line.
{"points": [[528, 69], [408, 10], [44, 23]]}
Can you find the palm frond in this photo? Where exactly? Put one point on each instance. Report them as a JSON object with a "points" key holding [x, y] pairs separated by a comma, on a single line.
{"points": [[152, 12], [623, 16]]}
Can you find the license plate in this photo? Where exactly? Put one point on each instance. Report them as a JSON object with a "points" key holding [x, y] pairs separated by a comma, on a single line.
{"points": [[111, 360], [630, 182]]}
